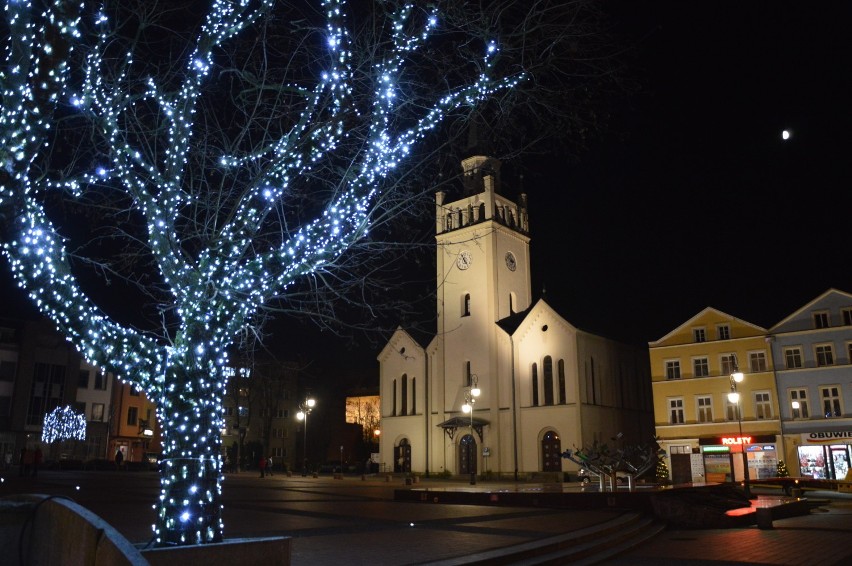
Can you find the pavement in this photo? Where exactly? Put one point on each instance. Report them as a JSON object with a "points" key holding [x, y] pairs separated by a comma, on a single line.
{"points": [[356, 521]]}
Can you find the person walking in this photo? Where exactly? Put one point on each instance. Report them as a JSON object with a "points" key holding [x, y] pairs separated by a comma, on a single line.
{"points": [[262, 465], [37, 458], [119, 459], [269, 466], [22, 462]]}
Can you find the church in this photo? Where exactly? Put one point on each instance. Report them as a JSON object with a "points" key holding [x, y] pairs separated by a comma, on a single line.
{"points": [[506, 384]]}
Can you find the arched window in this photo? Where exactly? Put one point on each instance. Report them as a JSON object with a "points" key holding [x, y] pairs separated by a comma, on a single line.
{"points": [[481, 212], [393, 400], [560, 368], [467, 375], [466, 304], [413, 396], [404, 395], [535, 385], [548, 380]]}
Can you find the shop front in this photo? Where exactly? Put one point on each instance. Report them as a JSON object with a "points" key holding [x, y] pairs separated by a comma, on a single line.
{"points": [[825, 455], [723, 460]]}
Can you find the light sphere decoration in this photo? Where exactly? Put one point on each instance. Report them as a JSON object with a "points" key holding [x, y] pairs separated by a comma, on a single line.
{"points": [[786, 134], [63, 423], [61, 64]]}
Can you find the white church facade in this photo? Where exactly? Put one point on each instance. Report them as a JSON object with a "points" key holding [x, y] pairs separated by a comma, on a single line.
{"points": [[545, 386]]}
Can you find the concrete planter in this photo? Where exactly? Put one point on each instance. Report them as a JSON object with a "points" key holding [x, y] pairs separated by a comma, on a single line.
{"points": [[40, 529]]}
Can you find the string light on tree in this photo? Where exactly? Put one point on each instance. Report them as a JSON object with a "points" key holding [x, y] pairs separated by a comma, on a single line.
{"points": [[216, 288], [63, 423]]}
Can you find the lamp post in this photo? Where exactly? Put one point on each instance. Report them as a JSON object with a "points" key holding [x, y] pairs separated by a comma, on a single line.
{"points": [[469, 401], [734, 397], [305, 409]]}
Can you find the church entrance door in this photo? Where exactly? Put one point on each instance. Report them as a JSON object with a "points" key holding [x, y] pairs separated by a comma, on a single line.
{"points": [[467, 455]]}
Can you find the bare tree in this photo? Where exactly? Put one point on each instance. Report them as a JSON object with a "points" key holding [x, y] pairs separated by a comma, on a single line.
{"points": [[223, 187]]}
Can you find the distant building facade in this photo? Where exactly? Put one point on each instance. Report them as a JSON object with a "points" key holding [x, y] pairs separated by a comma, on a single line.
{"points": [[697, 425], [812, 351]]}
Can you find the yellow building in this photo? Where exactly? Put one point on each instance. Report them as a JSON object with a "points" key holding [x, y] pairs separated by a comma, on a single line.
{"points": [[697, 424]]}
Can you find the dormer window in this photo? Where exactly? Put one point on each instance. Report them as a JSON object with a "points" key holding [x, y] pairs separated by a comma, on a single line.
{"points": [[699, 335], [821, 319]]}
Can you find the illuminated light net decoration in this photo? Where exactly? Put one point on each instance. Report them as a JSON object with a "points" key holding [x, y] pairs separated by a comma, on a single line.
{"points": [[63, 423], [218, 289]]}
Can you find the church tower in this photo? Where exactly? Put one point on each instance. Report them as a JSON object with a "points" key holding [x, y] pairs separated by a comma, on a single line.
{"points": [[483, 276]]}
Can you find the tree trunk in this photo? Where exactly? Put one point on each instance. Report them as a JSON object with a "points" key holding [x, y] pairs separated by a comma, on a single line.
{"points": [[189, 510]]}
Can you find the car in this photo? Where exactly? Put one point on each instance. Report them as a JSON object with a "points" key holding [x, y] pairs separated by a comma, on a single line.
{"points": [[587, 476]]}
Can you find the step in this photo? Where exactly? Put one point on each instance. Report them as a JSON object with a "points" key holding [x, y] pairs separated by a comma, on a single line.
{"points": [[586, 541]]}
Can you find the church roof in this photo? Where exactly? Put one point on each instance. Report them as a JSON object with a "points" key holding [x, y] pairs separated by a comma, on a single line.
{"points": [[514, 320]]}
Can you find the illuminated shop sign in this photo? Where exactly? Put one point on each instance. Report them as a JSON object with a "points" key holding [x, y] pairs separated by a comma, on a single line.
{"points": [[737, 440], [729, 440], [842, 437]]}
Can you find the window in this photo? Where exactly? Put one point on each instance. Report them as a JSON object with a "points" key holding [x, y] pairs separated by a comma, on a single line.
{"points": [[673, 369], [243, 411], [468, 376], [278, 452], [46, 392], [793, 357], [699, 335], [757, 361], [393, 402], [824, 355], [704, 405], [403, 394], [676, 411], [277, 433], [466, 305], [548, 380], [282, 413], [5, 405], [83, 379], [831, 401], [799, 396], [7, 370], [561, 370], [732, 410], [821, 319], [849, 353], [535, 385], [846, 316], [132, 415], [700, 367], [723, 332], [100, 381], [728, 363], [97, 412], [229, 411], [134, 392], [762, 405]]}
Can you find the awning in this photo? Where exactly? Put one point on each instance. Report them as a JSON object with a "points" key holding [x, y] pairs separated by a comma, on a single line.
{"points": [[451, 425]]}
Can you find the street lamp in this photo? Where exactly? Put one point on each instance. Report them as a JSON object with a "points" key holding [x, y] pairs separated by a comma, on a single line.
{"points": [[305, 409], [734, 397], [469, 401]]}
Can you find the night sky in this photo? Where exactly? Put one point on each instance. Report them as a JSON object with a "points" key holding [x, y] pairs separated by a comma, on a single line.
{"points": [[694, 199], [702, 203]]}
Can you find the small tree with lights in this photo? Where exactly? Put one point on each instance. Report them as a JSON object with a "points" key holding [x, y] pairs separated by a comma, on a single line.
{"points": [[662, 471], [781, 470], [104, 122]]}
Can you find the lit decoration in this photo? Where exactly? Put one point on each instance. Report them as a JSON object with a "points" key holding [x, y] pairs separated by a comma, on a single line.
{"points": [[662, 471], [781, 470], [63, 423], [219, 288]]}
